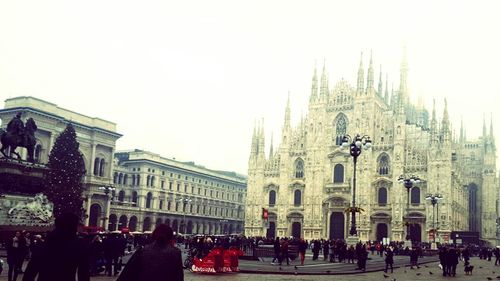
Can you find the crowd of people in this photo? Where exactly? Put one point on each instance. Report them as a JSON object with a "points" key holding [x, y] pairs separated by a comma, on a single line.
{"points": [[102, 253], [104, 250]]}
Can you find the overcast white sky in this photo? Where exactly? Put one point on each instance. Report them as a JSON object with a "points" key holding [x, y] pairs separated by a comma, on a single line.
{"points": [[187, 79]]}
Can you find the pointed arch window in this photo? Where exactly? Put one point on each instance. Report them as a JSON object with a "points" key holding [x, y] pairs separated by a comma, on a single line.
{"points": [[272, 198], [338, 173], [415, 196], [340, 129], [299, 168], [297, 198], [382, 196], [383, 165]]}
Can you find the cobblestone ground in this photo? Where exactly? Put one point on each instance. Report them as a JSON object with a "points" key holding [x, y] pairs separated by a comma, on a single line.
{"points": [[482, 271]]}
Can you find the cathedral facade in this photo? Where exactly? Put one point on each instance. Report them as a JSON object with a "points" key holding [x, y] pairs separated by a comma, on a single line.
{"points": [[305, 186]]}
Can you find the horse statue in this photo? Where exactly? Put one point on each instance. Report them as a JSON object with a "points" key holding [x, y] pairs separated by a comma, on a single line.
{"points": [[24, 136]]}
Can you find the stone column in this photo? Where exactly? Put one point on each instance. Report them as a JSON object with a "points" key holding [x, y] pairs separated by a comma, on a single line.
{"points": [[87, 209], [92, 159], [107, 211]]}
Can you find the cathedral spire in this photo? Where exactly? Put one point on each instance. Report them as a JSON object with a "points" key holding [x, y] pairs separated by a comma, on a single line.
{"points": [[380, 85], [271, 152], [314, 87], [253, 149], [433, 123], [386, 95], [369, 79], [403, 86], [461, 140], [484, 126], [361, 79], [324, 83], [287, 112], [491, 127], [445, 124], [262, 140]]}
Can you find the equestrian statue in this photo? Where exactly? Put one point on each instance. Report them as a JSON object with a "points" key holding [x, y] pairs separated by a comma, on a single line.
{"points": [[18, 135]]}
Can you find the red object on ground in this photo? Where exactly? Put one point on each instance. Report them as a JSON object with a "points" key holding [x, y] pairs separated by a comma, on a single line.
{"points": [[218, 260]]}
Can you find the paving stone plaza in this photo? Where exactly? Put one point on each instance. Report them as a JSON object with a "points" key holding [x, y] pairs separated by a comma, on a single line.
{"points": [[322, 270], [482, 271]]}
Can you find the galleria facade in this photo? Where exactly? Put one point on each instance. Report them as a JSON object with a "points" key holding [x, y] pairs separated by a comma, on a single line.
{"points": [[306, 183], [148, 189]]}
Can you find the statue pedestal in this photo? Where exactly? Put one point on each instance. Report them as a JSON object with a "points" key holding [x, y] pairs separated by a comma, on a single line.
{"points": [[352, 240]]}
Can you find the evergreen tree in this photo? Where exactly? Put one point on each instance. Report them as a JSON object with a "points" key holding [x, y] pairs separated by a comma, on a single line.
{"points": [[64, 181]]}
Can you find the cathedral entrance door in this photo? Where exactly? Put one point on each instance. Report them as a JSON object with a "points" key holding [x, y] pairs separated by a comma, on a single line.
{"points": [[271, 231], [416, 232], [381, 231], [337, 225], [296, 229]]}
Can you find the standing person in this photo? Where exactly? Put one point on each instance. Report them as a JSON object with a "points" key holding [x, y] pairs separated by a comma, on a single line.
{"points": [[452, 261], [95, 255], [389, 259], [13, 256], [160, 260], [326, 247], [414, 258], [63, 256], [497, 256], [302, 250], [277, 250], [443, 259], [332, 251], [284, 251], [316, 248], [108, 249], [23, 250]]}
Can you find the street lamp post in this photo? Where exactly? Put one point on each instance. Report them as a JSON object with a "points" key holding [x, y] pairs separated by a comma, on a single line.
{"points": [[355, 147], [408, 183], [184, 204], [107, 190], [434, 199]]}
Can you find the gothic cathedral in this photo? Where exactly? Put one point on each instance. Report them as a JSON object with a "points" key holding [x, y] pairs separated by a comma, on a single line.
{"points": [[306, 183]]}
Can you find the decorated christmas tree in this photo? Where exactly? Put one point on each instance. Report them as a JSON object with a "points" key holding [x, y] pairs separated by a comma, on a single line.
{"points": [[64, 181]]}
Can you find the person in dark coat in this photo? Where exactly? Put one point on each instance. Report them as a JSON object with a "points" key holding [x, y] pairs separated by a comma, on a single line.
{"points": [[160, 260], [284, 251], [316, 249], [277, 250], [302, 250], [326, 248], [443, 259], [63, 256], [414, 258], [452, 261], [389, 259], [14, 256]]}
